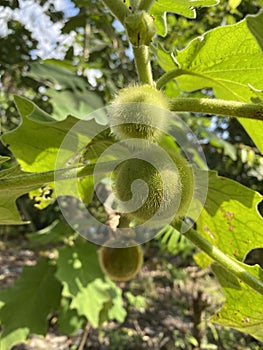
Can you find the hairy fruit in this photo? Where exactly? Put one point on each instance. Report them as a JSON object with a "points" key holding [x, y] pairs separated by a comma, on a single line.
{"points": [[139, 112], [121, 264], [170, 188]]}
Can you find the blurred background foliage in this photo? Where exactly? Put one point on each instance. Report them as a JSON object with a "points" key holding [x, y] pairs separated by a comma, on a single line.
{"points": [[92, 46]]}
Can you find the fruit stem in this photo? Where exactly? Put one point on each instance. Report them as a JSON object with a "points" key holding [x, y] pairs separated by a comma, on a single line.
{"points": [[143, 64], [146, 5], [217, 106], [118, 9], [224, 260]]}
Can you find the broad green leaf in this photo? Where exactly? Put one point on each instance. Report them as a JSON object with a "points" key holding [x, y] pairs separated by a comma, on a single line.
{"points": [[37, 141], [13, 337], [233, 4], [83, 281], [28, 303], [230, 219], [255, 130], [69, 322], [9, 193], [255, 25], [243, 307], [57, 75], [55, 233], [185, 8], [75, 103], [227, 59]]}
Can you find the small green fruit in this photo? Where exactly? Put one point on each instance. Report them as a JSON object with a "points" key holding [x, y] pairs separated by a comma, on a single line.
{"points": [[165, 189], [139, 112], [170, 191], [121, 264]]}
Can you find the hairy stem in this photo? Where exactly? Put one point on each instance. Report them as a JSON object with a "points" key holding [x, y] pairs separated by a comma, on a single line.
{"points": [[143, 64], [166, 77], [29, 180], [217, 106], [224, 260], [118, 9], [146, 5]]}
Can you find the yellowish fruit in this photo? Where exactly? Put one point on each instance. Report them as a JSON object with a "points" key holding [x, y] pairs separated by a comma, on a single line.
{"points": [[121, 264]]}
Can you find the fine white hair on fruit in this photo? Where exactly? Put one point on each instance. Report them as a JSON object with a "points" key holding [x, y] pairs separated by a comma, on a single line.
{"points": [[139, 111]]}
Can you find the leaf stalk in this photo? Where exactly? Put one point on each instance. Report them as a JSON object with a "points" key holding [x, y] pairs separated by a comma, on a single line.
{"points": [[224, 260]]}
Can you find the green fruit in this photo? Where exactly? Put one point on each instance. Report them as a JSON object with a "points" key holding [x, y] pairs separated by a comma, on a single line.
{"points": [[121, 264], [169, 190], [139, 112]]}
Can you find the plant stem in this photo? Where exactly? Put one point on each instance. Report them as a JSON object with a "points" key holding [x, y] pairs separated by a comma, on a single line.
{"points": [[217, 106], [166, 77], [146, 5], [118, 8], [143, 64], [224, 260], [29, 180]]}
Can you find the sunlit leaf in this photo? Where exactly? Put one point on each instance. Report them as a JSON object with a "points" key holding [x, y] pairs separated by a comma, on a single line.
{"points": [[243, 307], [230, 219], [182, 7], [84, 283]]}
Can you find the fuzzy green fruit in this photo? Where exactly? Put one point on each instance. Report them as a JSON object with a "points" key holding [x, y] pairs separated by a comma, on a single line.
{"points": [[121, 264], [139, 112], [169, 191]]}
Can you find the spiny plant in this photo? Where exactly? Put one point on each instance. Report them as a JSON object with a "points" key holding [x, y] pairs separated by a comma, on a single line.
{"points": [[225, 66]]}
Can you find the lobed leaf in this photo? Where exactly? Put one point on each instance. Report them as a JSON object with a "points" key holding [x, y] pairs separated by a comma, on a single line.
{"points": [[230, 219], [84, 283], [185, 8], [227, 59], [27, 304], [243, 307]]}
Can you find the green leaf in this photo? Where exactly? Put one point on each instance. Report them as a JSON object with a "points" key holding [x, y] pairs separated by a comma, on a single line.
{"points": [[243, 307], [56, 75], [4, 159], [84, 283], [27, 304], [255, 130], [181, 7], [230, 219], [35, 143], [8, 210], [75, 103], [227, 59], [55, 233], [255, 25], [69, 322]]}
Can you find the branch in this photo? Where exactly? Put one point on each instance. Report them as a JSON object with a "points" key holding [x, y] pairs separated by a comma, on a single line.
{"points": [[166, 77], [118, 9], [224, 260], [28, 180], [143, 64], [217, 106]]}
